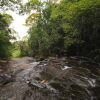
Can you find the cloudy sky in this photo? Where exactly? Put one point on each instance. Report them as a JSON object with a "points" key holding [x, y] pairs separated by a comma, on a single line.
{"points": [[18, 24]]}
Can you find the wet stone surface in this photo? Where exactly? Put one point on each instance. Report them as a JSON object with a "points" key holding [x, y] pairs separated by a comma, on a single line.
{"points": [[74, 78]]}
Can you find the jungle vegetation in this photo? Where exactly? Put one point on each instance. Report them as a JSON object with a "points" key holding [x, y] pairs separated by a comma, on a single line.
{"points": [[65, 28]]}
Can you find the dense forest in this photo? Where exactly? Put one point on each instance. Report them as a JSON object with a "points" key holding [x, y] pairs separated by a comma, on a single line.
{"points": [[56, 28]]}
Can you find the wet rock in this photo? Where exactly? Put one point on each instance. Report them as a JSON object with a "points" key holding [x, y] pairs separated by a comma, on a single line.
{"points": [[77, 81], [1, 70], [4, 79], [74, 78]]}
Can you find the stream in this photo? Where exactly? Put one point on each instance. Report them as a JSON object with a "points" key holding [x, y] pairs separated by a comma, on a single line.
{"points": [[65, 78]]}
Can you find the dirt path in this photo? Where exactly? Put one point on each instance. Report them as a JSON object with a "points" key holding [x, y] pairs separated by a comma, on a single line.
{"points": [[15, 63], [13, 83]]}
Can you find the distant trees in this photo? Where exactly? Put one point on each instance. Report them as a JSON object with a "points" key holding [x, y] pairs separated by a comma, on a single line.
{"points": [[24, 47], [20, 48]]}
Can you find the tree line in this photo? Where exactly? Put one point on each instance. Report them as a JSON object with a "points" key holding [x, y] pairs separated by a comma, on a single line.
{"points": [[65, 28], [68, 28]]}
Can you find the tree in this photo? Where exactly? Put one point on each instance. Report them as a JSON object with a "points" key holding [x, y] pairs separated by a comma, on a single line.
{"points": [[70, 27], [80, 22], [9, 4], [5, 35], [44, 38]]}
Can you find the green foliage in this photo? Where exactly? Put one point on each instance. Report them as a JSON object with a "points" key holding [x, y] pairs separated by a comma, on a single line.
{"points": [[80, 21], [15, 50], [30, 6], [43, 34], [24, 48], [70, 27], [20, 48], [9, 4], [5, 35]]}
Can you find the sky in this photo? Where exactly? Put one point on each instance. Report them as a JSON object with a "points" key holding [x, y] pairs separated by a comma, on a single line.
{"points": [[17, 24]]}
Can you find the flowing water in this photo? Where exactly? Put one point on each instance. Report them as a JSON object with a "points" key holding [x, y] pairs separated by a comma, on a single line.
{"points": [[74, 78]]}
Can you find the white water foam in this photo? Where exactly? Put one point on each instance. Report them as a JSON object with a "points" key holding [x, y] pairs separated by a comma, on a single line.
{"points": [[65, 67]]}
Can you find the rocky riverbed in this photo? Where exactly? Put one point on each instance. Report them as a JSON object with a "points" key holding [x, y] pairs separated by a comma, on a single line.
{"points": [[72, 78]]}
